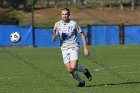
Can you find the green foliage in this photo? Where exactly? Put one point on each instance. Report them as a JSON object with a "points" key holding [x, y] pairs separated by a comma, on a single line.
{"points": [[16, 15]]}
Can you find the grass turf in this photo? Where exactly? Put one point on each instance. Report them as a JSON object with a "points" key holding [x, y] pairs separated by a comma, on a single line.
{"points": [[115, 69]]}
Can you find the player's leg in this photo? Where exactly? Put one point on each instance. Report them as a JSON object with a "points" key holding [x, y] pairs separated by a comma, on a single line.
{"points": [[71, 69], [85, 71], [80, 68], [73, 65], [74, 55]]}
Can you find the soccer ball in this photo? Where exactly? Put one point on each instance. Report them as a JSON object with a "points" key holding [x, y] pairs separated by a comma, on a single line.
{"points": [[15, 37]]}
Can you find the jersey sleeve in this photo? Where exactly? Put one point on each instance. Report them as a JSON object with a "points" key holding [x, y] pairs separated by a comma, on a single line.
{"points": [[78, 28], [55, 29]]}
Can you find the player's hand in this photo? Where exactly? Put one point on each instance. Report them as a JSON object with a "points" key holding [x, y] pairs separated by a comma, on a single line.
{"points": [[53, 37], [86, 52]]}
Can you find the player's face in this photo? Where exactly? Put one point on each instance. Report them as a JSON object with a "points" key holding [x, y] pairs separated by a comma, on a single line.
{"points": [[65, 15]]}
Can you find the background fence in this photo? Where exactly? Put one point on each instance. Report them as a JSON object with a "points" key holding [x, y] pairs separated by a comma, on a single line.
{"points": [[25, 32], [132, 34], [95, 34]]}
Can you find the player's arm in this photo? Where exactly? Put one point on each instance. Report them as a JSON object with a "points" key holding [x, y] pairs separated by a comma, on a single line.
{"points": [[84, 43], [79, 30], [54, 36]]}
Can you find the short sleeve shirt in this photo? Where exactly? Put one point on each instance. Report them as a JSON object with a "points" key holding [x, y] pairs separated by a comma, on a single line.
{"points": [[68, 33]]}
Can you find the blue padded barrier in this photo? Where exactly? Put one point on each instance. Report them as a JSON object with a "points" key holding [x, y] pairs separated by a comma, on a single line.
{"points": [[132, 34], [105, 35], [25, 32]]}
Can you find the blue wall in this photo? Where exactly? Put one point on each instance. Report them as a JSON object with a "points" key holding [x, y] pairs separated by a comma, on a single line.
{"points": [[132, 34], [105, 35], [101, 35], [43, 38], [25, 32]]}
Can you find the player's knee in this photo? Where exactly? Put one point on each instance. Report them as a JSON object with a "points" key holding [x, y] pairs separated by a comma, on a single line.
{"points": [[69, 70], [72, 69]]}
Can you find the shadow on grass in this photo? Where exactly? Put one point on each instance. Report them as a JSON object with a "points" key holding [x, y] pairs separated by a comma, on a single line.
{"points": [[114, 84]]}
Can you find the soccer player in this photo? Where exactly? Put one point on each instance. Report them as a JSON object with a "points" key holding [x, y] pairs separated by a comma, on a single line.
{"points": [[67, 30]]}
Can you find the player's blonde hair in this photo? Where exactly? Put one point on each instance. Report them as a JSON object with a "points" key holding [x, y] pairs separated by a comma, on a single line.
{"points": [[66, 9]]}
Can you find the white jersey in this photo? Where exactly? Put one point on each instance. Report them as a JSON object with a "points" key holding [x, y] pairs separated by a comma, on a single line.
{"points": [[68, 33]]}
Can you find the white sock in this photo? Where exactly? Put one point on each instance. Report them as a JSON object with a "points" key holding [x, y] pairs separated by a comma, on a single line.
{"points": [[80, 68], [76, 76]]}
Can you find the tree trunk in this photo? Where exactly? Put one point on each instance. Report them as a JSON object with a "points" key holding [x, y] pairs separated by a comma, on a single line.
{"points": [[110, 4], [121, 5], [132, 4], [67, 3], [101, 4], [78, 3], [46, 3], [71, 2], [0, 2], [56, 3], [82, 2]]}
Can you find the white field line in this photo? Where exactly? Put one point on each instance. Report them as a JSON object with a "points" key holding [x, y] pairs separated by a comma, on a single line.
{"points": [[9, 78], [113, 67], [136, 72]]}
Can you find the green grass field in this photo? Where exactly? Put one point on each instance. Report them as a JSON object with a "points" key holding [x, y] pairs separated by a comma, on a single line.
{"points": [[115, 69]]}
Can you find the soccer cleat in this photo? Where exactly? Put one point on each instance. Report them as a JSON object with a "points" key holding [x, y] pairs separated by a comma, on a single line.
{"points": [[88, 75], [81, 84]]}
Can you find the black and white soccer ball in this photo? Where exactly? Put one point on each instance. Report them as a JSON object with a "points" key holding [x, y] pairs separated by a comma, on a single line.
{"points": [[15, 37]]}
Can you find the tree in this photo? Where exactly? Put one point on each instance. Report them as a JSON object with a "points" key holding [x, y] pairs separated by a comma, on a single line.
{"points": [[121, 5], [15, 16], [71, 2], [110, 4], [101, 4], [45, 3], [56, 3], [16, 3], [67, 3], [132, 4], [78, 3], [1, 2]]}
